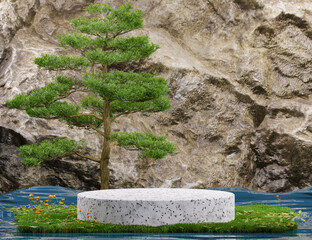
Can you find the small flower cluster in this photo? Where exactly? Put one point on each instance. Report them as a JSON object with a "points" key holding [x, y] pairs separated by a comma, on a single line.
{"points": [[42, 208], [278, 199], [88, 216], [38, 206], [298, 216]]}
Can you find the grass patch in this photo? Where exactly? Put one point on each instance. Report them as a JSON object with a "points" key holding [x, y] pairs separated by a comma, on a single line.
{"points": [[63, 219]]}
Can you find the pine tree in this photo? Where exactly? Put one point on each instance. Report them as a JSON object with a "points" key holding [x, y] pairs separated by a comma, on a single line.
{"points": [[101, 44]]}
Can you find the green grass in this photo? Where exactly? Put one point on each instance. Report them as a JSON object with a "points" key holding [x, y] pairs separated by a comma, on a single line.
{"points": [[248, 219]]}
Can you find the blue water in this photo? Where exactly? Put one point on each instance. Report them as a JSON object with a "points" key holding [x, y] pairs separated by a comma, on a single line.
{"points": [[299, 200]]}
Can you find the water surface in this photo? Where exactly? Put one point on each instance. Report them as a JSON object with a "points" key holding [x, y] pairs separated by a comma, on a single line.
{"points": [[299, 200]]}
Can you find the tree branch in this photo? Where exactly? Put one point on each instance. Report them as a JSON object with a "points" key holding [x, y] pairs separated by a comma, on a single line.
{"points": [[133, 149], [69, 93], [128, 112], [58, 156], [64, 69], [99, 35], [121, 33], [143, 100], [78, 154], [120, 114], [77, 115], [91, 126], [88, 157]]}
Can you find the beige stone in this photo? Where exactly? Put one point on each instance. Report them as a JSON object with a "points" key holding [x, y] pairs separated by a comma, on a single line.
{"points": [[240, 79]]}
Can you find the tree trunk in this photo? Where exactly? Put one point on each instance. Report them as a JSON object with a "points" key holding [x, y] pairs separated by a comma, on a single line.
{"points": [[106, 148]]}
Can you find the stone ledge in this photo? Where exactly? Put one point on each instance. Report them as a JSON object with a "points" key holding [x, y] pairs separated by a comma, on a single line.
{"points": [[156, 206]]}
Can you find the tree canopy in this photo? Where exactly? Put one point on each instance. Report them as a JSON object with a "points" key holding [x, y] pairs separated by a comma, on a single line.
{"points": [[100, 43]]}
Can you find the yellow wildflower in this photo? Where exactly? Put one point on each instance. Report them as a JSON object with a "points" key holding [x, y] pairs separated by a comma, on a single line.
{"points": [[31, 195], [50, 196], [41, 201], [61, 203]]}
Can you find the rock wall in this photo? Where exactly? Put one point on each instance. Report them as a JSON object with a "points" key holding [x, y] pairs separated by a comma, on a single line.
{"points": [[240, 75]]}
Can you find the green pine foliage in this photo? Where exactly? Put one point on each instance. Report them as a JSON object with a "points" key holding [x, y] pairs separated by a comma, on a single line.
{"points": [[81, 41], [121, 50], [55, 110], [33, 155], [53, 62], [117, 21], [126, 86], [100, 40], [43, 96], [81, 121], [92, 102], [154, 105], [150, 145]]}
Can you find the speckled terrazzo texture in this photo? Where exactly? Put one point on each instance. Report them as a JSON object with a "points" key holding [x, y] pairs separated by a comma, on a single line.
{"points": [[156, 206]]}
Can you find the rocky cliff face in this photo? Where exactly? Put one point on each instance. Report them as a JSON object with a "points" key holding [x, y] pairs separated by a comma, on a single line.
{"points": [[240, 75]]}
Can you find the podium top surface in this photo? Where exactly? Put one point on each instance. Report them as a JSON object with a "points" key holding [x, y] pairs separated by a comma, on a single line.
{"points": [[156, 194]]}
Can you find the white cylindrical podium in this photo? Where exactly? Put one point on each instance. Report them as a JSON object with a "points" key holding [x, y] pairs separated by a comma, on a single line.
{"points": [[156, 206]]}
